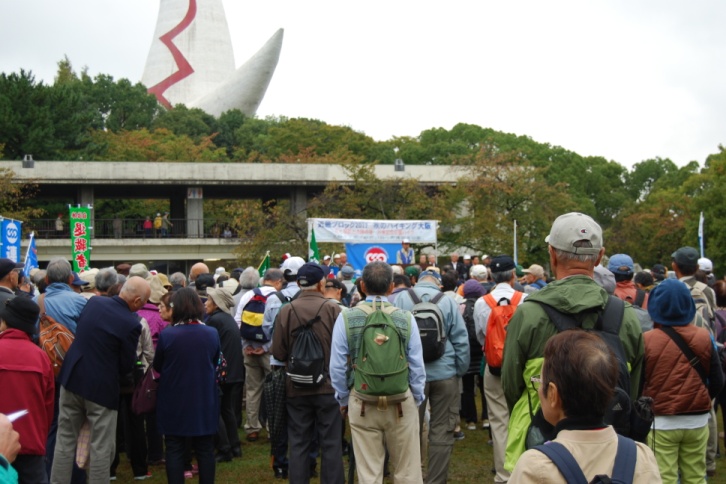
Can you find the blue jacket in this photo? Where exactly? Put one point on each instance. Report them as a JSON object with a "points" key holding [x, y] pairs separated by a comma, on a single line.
{"points": [[103, 351], [455, 360], [188, 396], [63, 304]]}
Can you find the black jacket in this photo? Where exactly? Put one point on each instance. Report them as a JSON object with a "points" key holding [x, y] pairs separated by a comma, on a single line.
{"points": [[231, 344]]}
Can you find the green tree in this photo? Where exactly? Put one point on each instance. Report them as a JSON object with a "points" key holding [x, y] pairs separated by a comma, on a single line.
{"points": [[157, 145], [229, 122], [499, 189], [13, 198], [120, 105], [651, 230], [643, 177], [708, 189], [26, 121], [368, 197], [191, 122]]}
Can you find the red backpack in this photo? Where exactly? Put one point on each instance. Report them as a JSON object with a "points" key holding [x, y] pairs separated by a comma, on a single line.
{"points": [[501, 313]]}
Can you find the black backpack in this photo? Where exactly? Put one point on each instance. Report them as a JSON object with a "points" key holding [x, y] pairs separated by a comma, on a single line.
{"points": [[628, 418], [430, 322], [306, 363], [623, 470]]}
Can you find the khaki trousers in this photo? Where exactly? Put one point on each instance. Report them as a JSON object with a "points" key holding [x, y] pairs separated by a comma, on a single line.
{"points": [[256, 367], [498, 420], [379, 430], [443, 396], [73, 412]]}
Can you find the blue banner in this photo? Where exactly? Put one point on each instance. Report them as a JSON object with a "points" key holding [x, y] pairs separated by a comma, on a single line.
{"points": [[11, 230], [361, 254]]}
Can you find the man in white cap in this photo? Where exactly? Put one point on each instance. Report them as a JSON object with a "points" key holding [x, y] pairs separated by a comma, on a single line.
{"points": [[706, 266], [405, 254], [575, 248], [326, 261]]}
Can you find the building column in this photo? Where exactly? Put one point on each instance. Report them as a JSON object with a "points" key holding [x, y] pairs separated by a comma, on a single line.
{"points": [[177, 213], [299, 201], [195, 212], [86, 198]]}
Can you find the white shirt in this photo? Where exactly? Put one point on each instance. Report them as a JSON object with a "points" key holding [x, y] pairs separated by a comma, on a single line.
{"points": [[482, 310]]}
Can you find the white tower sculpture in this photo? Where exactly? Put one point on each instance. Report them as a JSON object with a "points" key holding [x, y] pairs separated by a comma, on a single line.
{"points": [[191, 60]]}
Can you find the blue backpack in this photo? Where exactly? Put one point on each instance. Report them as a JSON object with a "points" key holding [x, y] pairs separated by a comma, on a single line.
{"points": [[252, 316], [623, 470]]}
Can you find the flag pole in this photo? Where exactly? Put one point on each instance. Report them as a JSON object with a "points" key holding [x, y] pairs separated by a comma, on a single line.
{"points": [[515, 243], [700, 234]]}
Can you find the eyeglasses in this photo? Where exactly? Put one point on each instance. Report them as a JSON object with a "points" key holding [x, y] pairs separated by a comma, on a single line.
{"points": [[536, 381]]}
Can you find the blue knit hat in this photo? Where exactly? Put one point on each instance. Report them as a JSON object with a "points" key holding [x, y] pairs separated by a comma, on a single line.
{"points": [[670, 304]]}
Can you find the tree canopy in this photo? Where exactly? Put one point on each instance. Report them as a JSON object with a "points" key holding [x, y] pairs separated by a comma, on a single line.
{"points": [[647, 211]]}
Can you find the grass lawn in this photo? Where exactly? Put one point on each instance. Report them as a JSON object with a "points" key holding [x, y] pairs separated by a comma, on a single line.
{"points": [[471, 461]]}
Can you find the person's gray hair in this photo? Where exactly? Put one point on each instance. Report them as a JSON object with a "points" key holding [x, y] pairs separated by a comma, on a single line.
{"points": [[479, 272], [177, 279], [428, 278], [58, 270], [38, 277], [504, 276], [562, 255], [377, 277], [139, 270], [106, 278], [273, 275], [249, 279]]}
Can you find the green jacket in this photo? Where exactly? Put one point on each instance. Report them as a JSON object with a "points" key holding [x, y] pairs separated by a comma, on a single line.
{"points": [[529, 330]]}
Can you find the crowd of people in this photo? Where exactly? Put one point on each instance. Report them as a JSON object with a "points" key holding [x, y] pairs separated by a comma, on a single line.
{"points": [[591, 370]]}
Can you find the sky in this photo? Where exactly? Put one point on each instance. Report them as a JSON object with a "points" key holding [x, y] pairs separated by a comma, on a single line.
{"points": [[624, 80]]}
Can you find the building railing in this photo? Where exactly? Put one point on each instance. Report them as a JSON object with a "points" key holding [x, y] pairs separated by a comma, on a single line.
{"points": [[135, 229]]}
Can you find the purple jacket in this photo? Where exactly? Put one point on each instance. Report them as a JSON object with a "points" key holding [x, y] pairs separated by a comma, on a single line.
{"points": [[150, 312]]}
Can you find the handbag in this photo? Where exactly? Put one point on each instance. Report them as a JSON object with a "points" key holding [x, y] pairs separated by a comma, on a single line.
{"points": [[144, 398]]}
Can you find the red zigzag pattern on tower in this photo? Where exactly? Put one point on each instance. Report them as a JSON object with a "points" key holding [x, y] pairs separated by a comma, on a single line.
{"points": [[185, 68]]}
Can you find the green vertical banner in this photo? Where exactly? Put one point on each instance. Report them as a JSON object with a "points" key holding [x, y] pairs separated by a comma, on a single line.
{"points": [[313, 252], [80, 220]]}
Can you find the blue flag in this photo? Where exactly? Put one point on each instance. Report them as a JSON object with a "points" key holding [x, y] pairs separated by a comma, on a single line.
{"points": [[31, 257]]}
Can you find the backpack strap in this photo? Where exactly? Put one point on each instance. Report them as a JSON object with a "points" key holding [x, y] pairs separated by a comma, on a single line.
{"points": [[639, 298], [561, 320], [611, 318], [516, 298], [414, 297], [41, 304], [625, 460], [417, 300], [489, 299], [562, 458], [687, 352]]}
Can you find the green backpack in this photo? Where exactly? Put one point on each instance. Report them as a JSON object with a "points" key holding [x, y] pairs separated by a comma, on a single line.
{"points": [[380, 367]]}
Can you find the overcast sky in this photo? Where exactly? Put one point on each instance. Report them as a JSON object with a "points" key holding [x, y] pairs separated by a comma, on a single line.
{"points": [[620, 79]]}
